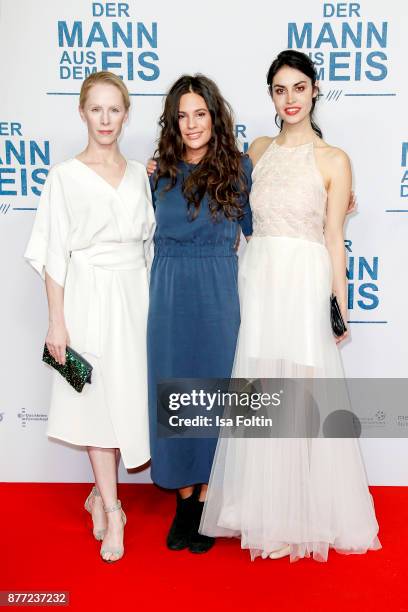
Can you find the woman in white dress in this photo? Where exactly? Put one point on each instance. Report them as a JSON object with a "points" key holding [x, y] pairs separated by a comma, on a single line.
{"points": [[289, 496], [89, 241]]}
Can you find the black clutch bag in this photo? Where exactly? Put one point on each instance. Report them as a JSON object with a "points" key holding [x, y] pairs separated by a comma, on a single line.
{"points": [[77, 370], [337, 321]]}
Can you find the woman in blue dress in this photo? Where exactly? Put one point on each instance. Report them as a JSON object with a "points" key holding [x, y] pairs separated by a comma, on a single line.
{"points": [[200, 193]]}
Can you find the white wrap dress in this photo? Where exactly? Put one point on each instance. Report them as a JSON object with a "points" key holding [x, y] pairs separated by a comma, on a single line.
{"points": [[93, 240]]}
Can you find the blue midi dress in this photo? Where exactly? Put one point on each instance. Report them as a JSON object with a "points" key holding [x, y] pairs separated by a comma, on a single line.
{"points": [[193, 316]]}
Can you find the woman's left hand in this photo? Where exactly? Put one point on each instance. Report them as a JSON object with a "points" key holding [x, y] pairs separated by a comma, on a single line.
{"points": [[339, 339], [151, 166]]}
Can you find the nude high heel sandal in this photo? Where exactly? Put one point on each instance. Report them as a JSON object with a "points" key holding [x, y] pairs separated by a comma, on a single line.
{"points": [[114, 551], [98, 534]]}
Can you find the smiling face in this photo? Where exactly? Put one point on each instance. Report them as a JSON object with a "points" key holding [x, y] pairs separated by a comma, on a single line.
{"points": [[104, 113], [195, 125], [292, 94]]}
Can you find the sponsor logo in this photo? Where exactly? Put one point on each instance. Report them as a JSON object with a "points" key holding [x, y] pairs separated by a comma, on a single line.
{"points": [[402, 420], [30, 417], [376, 421]]}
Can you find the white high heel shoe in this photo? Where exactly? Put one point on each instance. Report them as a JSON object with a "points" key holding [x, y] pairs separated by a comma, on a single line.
{"points": [[280, 552]]}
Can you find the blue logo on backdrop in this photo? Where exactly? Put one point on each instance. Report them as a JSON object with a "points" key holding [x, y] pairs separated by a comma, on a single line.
{"points": [[241, 136], [113, 41], [345, 47], [403, 186], [404, 177], [363, 285], [24, 164]]}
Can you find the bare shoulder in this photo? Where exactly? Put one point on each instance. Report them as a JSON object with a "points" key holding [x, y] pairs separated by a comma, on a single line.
{"points": [[258, 148], [261, 143], [332, 155]]}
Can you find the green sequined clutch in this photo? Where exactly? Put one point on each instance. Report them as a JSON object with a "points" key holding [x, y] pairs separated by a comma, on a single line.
{"points": [[77, 370]]}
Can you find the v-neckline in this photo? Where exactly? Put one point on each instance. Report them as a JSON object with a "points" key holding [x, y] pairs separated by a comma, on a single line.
{"points": [[101, 177]]}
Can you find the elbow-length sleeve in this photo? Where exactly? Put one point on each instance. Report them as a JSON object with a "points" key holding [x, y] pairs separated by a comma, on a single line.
{"points": [[150, 223], [152, 180], [47, 249], [246, 221]]}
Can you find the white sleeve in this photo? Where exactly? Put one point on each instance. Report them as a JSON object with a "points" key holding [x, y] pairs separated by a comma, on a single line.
{"points": [[47, 249], [150, 224]]}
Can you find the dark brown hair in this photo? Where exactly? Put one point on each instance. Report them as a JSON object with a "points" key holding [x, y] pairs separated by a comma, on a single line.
{"points": [[302, 62], [219, 174]]}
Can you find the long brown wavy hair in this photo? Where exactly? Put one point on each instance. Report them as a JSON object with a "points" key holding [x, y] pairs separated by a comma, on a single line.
{"points": [[219, 174]]}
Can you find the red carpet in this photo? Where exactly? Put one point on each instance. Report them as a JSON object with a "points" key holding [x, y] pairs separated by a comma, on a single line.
{"points": [[46, 544]]}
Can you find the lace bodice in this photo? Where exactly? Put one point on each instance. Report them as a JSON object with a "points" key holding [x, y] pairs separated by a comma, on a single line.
{"points": [[288, 197]]}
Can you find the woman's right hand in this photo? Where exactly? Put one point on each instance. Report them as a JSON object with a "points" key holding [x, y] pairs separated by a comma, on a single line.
{"points": [[151, 166], [57, 340], [352, 205]]}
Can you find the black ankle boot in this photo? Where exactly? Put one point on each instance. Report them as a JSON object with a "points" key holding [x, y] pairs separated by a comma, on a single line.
{"points": [[199, 543], [179, 535]]}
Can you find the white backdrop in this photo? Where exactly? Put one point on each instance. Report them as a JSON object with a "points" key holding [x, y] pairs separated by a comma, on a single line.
{"points": [[48, 47]]}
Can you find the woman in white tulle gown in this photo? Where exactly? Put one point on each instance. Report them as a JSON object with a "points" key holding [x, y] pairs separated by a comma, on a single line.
{"points": [[292, 496]]}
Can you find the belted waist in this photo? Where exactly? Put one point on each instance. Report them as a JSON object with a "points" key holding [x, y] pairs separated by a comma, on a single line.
{"points": [[86, 287], [112, 255], [167, 248]]}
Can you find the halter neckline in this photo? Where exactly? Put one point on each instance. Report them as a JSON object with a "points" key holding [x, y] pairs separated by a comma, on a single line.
{"points": [[306, 144]]}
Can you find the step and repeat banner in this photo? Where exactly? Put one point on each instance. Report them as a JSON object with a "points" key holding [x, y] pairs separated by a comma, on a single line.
{"points": [[48, 47]]}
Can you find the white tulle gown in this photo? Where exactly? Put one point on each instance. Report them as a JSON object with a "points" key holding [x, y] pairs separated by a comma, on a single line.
{"points": [[310, 493]]}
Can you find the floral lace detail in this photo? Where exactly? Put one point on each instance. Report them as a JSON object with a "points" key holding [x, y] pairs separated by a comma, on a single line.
{"points": [[288, 197]]}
